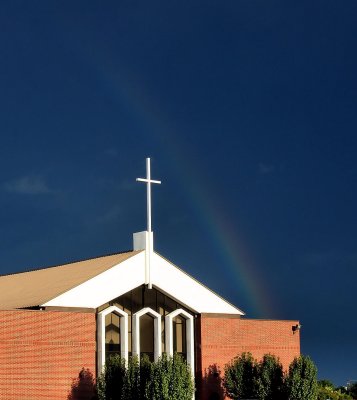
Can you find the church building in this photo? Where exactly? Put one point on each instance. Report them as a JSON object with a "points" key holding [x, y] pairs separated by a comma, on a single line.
{"points": [[58, 320]]}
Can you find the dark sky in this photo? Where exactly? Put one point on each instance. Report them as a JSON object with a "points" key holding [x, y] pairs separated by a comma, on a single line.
{"points": [[248, 110]]}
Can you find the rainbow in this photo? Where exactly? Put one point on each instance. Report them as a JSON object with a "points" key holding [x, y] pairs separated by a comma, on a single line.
{"points": [[223, 235], [235, 256]]}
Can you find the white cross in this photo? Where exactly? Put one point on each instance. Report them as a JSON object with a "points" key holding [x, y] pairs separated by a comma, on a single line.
{"points": [[148, 181], [149, 241]]}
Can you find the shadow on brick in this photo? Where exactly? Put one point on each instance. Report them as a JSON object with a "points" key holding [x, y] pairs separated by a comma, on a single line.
{"points": [[83, 387], [212, 384]]}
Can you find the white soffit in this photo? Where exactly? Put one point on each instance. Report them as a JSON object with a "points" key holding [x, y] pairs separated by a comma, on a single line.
{"points": [[130, 274], [104, 287], [187, 290]]}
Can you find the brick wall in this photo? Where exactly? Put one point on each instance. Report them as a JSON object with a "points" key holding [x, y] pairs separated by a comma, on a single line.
{"points": [[224, 338], [42, 353]]}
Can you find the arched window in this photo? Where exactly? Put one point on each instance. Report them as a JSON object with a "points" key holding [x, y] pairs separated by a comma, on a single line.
{"points": [[151, 324], [147, 310], [106, 330], [171, 341], [112, 334]]}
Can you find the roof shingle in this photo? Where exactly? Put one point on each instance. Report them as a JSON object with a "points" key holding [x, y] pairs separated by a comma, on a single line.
{"points": [[33, 288]]}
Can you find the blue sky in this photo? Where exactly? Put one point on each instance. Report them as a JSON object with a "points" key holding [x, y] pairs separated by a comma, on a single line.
{"points": [[248, 111]]}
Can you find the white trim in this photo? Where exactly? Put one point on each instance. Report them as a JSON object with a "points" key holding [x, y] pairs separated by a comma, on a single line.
{"points": [[130, 274], [190, 341], [124, 343], [186, 290], [105, 286], [136, 332]]}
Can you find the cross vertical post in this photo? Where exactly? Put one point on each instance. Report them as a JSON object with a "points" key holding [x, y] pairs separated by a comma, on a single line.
{"points": [[149, 247], [148, 194]]}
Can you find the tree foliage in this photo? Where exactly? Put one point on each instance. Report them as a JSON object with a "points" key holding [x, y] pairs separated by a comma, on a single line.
{"points": [[167, 379], [113, 379], [352, 390], [269, 382], [240, 377], [325, 383], [301, 383], [172, 380], [327, 391], [245, 378]]}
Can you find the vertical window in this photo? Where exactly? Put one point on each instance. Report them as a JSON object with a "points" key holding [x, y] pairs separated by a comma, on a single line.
{"points": [[133, 302], [179, 336], [143, 328], [147, 336], [112, 334], [179, 332]]}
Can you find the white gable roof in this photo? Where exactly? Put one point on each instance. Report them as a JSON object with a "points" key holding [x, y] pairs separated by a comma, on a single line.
{"points": [[130, 273]]}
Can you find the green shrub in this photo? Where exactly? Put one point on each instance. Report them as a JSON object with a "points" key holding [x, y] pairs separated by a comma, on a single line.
{"points": [[172, 379], [301, 383], [167, 379], [352, 390], [269, 382], [240, 377], [131, 389], [245, 378], [112, 381], [146, 376], [329, 393]]}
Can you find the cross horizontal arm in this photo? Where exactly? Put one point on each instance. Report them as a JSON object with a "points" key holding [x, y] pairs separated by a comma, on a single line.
{"points": [[147, 180]]}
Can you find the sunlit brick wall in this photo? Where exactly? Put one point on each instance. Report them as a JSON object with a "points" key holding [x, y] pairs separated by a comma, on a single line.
{"points": [[42, 352], [224, 338]]}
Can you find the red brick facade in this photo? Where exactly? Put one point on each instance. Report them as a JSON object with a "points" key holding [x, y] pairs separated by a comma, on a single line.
{"points": [[42, 352], [222, 338]]}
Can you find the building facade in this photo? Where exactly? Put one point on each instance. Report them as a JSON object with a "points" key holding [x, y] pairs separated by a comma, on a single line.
{"points": [[59, 325]]}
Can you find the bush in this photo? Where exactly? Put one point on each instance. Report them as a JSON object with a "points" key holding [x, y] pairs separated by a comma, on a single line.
{"points": [[240, 377], [145, 378], [245, 378], [172, 379], [327, 391], [352, 390], [167, 379], [112, 380], [269, 382], [301, 383]]}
